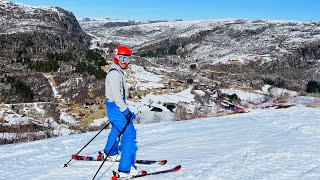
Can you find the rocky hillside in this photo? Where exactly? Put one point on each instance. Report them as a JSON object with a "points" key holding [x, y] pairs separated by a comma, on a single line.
{"points": [[237, 50], [34, 40], [35, 31], [106, 32]]}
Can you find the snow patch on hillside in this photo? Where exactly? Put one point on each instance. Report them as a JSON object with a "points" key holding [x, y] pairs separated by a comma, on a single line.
{"points": [[99, 122], [245, 96]]}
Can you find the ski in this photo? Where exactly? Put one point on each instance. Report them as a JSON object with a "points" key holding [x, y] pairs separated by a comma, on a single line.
{"points": [[143, 162], [83, 158], [149, 162], [175, 169]]}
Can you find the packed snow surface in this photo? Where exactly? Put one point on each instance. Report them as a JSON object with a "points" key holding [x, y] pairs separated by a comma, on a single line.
{"points": [[261, 144]]}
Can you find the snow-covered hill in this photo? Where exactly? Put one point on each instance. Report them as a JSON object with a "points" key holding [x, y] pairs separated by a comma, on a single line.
{"points": [[273, 48], [106, 29], [262, 144], [214, 40]]}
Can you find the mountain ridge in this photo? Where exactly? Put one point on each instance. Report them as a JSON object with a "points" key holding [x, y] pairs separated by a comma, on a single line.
{"points": [[274, 48], [38, 30]]}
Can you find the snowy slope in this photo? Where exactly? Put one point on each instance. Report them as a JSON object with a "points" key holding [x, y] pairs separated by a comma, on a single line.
{"points": [[262, 144]]}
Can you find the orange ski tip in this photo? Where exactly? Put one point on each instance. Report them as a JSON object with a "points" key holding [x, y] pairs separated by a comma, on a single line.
{"points": [[114, 178], [177, 168], [74, 156], [163, 162]]}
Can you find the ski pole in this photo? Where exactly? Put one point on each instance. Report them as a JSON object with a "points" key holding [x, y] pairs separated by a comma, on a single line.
{"points": [[124, 128], [65, 165]]}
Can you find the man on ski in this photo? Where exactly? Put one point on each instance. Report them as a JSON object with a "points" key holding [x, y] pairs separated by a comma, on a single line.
{"points": [[119, 114]]}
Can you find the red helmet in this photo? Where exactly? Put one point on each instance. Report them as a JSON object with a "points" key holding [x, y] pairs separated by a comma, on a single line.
{"points": [[121, 50]]}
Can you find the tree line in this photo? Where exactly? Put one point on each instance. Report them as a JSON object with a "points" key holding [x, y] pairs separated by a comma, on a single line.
{"points": [[313, 87], [91, 66], [19, 88]]}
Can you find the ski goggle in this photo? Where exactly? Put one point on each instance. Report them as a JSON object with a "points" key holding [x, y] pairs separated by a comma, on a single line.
{"points": [[124, 59]]}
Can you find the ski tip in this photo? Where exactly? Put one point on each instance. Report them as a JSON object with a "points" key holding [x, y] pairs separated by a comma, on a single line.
{"points": [[74, 156], [177, 168], [163, 162], [114, 178]]}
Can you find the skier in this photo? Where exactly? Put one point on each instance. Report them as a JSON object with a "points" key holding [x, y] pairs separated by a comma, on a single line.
{"points": [[116, 91]]}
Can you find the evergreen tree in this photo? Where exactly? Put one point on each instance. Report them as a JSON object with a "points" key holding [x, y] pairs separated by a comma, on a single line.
{"points": [[312, 87], [20, 89]]}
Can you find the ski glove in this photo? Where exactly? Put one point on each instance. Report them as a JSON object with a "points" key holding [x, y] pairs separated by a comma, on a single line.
{"points": [[130, 116]]}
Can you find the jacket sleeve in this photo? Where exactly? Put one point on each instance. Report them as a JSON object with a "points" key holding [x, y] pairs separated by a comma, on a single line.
{"points": [[114, 82]]}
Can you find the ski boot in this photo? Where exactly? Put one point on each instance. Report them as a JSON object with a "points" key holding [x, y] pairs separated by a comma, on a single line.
{"points": [[134, 171]]}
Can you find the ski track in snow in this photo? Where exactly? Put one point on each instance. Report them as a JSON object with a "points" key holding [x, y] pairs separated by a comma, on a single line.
{"points": [[262, 144]]}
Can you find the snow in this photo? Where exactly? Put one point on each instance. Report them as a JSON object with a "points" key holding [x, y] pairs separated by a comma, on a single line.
{"points": [[16, 120], [221, 45], [277, 92], [260, 96], [39, 109], [246, 96], [143, 79], [280, 92], [261, 144], [149, 85], [200, 92], [149, 101], [183, 96], [52, 84], [130, 42], [265, 89], [67, 118], [142, 74], [99, 122]]}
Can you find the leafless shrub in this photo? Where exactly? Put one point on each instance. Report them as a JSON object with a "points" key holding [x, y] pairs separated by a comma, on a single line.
{"points": [[52, 111], [181, 112], [157, 118], [25, 132], [138, 120], [98, 128]]}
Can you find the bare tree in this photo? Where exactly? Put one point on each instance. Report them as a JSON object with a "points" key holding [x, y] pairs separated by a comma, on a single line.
{"points": [[157, 118], [180, 113]]}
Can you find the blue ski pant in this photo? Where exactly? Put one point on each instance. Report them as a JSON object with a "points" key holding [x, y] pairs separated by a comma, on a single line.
{"points": [[128, 138]]}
